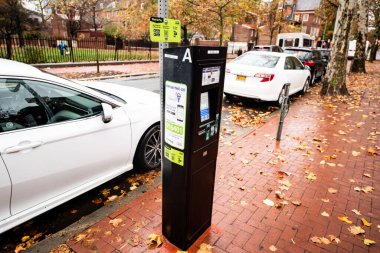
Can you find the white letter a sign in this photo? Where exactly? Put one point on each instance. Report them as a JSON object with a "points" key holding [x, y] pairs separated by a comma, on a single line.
{"points": [[187, 56]]}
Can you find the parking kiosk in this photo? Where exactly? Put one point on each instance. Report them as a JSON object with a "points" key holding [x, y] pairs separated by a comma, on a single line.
{"points": [[193, 80]]}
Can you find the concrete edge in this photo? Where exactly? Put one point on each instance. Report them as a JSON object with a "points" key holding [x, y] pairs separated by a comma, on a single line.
{"points": [[81, 64], [65, 234], [134, 76]]}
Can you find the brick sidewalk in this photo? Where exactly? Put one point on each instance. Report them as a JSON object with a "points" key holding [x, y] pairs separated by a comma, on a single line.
{"points": [[318, 137]]}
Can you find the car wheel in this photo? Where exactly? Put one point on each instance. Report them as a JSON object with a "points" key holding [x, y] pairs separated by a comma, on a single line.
{"points": [[148, 153], [229, 97], [313, 77], [305, 86]]}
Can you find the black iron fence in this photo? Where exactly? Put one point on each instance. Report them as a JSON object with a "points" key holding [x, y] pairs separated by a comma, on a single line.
{"points": [[53, 50]]}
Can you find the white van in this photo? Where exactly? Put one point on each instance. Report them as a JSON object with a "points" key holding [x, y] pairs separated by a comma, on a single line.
{"points": [[294, 40], [352, 49]]}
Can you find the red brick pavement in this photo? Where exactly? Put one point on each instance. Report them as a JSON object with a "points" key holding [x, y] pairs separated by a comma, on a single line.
{"points": [[242, 222]]}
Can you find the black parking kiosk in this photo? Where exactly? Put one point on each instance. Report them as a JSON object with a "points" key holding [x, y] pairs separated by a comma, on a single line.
{"points": [[193, 80]]}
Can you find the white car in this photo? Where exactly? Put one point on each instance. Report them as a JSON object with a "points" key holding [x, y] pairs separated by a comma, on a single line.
{"points": [[59, 139], [262, 75]]}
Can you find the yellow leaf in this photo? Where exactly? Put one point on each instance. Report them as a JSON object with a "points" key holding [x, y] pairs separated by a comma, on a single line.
{"points": [[296, 202], [245, 161], [181, 251], [74, 211], [272, 248], [357, 188], [155, 240], [80, 237], [116, 187], [105, 192], [20, 248], [332, 190], [364, 116], [335, 239], [331, 164], [372, 151], [243, 203], [325, 214], [368, 189], [341, 132], [112, 198], [368, 242], [345, 219], [367, 175], [316, 239], [268, 202], [355, 153], [134, 186], [324, 240], [116, 222], [366, 223], [356, 212], [356, 230], [25, 238], [311, 176], [205, 248], [325, 200], [285, 182]]}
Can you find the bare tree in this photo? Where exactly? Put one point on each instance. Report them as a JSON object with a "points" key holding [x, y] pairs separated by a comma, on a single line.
{"points": [[334, 82], [358, 64]]}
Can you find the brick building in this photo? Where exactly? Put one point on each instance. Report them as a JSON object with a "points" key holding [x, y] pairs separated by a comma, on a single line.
{"points": [[305, 16]]}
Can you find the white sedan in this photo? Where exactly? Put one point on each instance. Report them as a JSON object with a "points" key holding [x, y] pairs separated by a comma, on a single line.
{"points": [[59, 139], [262, 75]]}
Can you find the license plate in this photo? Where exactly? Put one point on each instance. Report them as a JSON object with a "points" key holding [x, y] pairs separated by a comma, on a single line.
{"points": [[240, 78]]}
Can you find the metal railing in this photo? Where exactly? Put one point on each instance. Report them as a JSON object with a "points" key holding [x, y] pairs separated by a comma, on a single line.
{"points": [[47, 50]]}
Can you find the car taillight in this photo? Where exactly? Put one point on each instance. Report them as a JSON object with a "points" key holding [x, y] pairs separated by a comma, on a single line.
{"points": [[265, 77], [228, 71], [309, 63]]}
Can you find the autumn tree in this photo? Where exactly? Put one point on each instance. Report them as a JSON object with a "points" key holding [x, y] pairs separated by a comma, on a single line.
{"points": [[44, 8], [358, 64], [374, 9], [334, 82], [74, 11]]}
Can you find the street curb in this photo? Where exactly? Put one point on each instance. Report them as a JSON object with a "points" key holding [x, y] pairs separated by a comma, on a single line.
{"points": [[65, 234], [142, 76], [81, 64]]}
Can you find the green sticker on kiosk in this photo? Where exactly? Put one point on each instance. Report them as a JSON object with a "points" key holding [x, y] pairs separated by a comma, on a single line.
{"points": [[173, 155], [165, 30]]}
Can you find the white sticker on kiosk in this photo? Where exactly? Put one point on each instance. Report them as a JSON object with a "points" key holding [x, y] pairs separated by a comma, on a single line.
{"points": [[210, 75], [175, 114], [205, 107]]}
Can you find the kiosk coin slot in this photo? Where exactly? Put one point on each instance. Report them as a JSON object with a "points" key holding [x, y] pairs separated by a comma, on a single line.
{"points": [[193, 92]]}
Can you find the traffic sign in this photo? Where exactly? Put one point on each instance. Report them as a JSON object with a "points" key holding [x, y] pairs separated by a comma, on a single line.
{"points": [[165, 30]]}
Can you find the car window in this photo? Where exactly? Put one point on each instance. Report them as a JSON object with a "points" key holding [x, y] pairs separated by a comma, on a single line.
{"points": [[297, 42], [262, 49], [288, 63], [297, 63], [302, 55], [257, 60], [306, 43], [27, 103], [280, 42]]}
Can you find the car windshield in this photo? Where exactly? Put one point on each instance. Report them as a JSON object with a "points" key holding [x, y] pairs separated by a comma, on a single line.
{"points": [[261, 49], [258, 60], [302, 55]]}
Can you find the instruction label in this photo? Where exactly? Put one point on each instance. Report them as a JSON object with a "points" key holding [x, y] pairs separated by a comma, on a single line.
{"points": [[210, 75], [165, 30], [205, 109], [173, 155], [175, 114]]}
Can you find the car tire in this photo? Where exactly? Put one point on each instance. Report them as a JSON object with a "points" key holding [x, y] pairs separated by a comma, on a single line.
{"points": [[305, 86], [229, 97], [148, 152], [313, 78]]}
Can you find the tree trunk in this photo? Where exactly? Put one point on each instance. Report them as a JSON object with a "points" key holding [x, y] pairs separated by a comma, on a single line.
{"points": [[334, 82], [96, 40], [8, 41], [185, 41], [221, 31], [358, 64]]}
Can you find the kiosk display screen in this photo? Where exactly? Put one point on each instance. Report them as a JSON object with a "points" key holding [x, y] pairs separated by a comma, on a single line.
{"points": [[205, 107]]}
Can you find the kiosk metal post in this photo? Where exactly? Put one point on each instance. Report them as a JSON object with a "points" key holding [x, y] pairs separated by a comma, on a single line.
{"points": [[284, 110], [193, 93]]}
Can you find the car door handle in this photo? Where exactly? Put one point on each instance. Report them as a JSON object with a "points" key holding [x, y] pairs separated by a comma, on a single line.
{"points": [[24, 145]]}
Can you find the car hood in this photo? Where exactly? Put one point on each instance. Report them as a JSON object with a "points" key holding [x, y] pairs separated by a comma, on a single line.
{"points": [[129, 94]]}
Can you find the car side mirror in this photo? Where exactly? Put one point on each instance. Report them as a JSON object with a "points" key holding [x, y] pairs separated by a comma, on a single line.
{"points": [[306, 67], [107, 113]]}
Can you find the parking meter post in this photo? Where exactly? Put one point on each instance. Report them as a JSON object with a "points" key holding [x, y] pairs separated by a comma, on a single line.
{"points": [[193, 97], [284, 110]]}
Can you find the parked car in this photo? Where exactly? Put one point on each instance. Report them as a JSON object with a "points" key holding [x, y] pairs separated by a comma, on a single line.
{"points": [[59, 139], [262, 75], [310, 57], [325, 52], [268, 48]]}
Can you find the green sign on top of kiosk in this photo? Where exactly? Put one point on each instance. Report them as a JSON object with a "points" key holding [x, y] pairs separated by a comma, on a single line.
{"points": [[165, 30]]}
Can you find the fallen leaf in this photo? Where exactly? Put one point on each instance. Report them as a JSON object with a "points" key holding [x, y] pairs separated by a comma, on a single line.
{"points": [[366, 223], [285, 182], [134, 186], [97, 201], [345, 219], [369, 242], [356, 230], [325, 200], [105, 192], [272, 248], [372, 151], [367, 189], [243, 203], [331, 164], [341, 132], [315, 239], [245, 161], [367, 175], [80, 237], [155, 240], [134, 241], [358, 189], [335, 239], [112, 198], [355, 153], [296, 202], [116, 222], [324, 240], [20, 248], [116, 187], [25, 238], [332, 190], [268, 202], [311, 176], [356, 212], [325, 214], [292, 240], [205, 248], [73, 211]]}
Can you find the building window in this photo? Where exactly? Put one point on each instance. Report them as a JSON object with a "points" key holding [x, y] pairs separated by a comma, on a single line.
{"points": [[305, 17], [297, 17], [304, 29]]}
